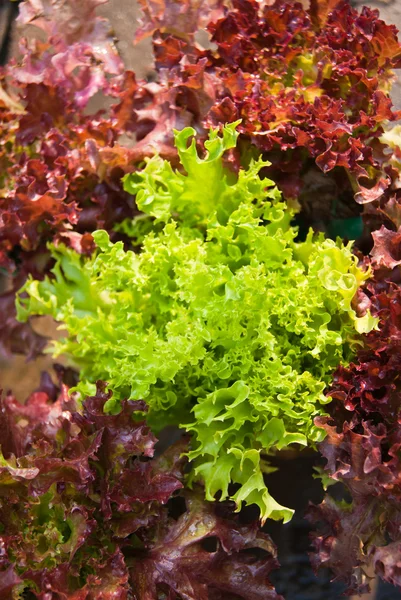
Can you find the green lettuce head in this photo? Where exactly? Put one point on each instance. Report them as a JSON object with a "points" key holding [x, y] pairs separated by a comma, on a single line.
{"points": [[223, 322]]}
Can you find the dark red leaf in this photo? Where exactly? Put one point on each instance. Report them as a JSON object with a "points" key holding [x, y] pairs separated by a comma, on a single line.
{"points": [[84, 513]]}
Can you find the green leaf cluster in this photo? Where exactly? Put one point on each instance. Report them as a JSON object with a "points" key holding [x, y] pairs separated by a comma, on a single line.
{"points": [[223, 322]]}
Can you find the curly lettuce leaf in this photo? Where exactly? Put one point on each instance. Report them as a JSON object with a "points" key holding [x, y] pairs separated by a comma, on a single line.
{"points": [[160, 191], [223, 322]]}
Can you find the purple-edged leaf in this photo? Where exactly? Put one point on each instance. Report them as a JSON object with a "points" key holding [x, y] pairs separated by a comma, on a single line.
{"points": [[85, 511]]}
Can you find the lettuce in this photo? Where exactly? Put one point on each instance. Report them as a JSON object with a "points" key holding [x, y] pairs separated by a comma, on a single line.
{"points": [[313, 98], [361, 537], [223, 322], [88, 512]]}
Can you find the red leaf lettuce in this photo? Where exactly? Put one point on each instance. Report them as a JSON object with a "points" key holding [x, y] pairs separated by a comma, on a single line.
{"points": [[310, 85], [363, 440], [87, 513]]}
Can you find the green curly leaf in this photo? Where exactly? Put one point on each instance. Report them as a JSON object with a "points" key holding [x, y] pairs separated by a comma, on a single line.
{"points": [[223, 322]]}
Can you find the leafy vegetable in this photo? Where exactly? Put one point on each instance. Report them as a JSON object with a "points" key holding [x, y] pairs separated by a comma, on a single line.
{"points": [[363, 437], [60, 165], [83, 511], [311, 85], [223, 322], [185, 18], [211, 308], [50, 148], [309, 91]]}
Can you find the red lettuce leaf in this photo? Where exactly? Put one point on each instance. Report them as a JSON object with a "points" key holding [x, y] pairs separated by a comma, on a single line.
{"points": [[183, 18], [363, 442], [386, 247], [310, 85], [79, 52], [314, 79], [8, 580], [86, 512], [178, 558]]}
